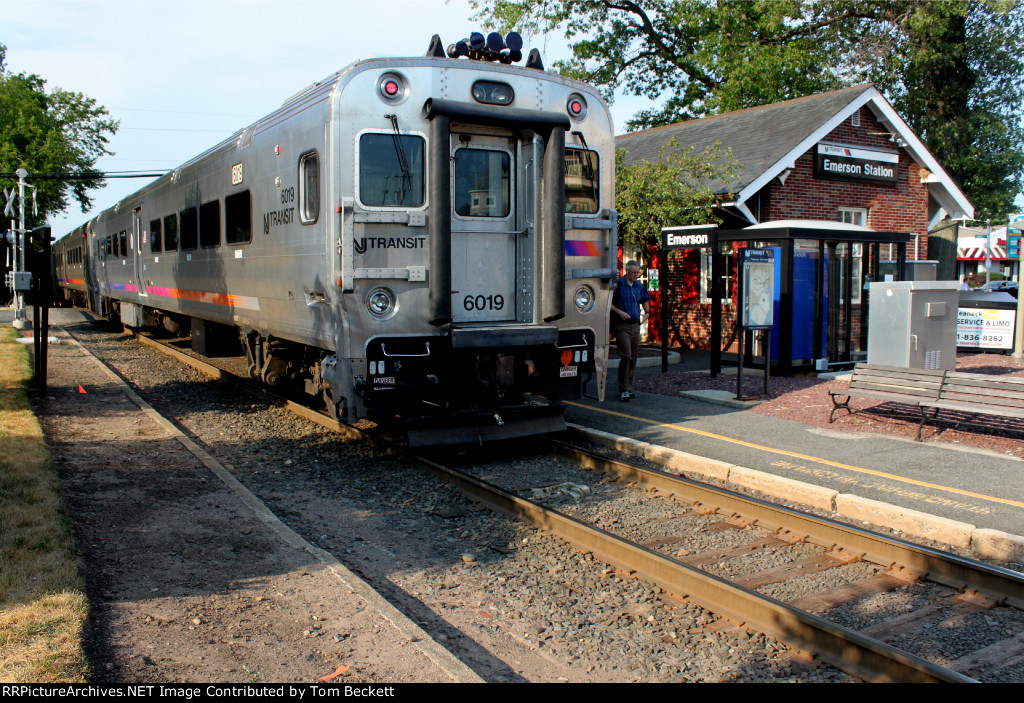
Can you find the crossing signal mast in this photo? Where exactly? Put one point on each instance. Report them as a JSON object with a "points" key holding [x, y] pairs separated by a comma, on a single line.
{"points": [[19, 279]]}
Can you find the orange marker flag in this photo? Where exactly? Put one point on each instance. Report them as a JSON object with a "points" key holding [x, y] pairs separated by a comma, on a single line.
{"points": [[80, 389], [337, 672]]}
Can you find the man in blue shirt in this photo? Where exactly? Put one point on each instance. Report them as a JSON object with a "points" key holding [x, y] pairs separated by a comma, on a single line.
{"points": [[629, 302]]}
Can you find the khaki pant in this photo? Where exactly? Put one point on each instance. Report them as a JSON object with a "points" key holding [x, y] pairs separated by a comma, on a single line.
{"points": [[627, 341]]}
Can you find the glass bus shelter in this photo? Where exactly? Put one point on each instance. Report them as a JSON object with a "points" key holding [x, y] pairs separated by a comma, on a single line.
{"points": [[822, 271]]}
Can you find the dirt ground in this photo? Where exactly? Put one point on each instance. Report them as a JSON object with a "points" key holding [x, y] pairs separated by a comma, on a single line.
{"points": [[186, 584]]}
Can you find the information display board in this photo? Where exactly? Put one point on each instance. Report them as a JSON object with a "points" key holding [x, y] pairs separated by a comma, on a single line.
{"points": [[757, 291]]}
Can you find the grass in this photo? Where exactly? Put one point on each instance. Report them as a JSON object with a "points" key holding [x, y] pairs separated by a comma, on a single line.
{"points": [[42, 605]]}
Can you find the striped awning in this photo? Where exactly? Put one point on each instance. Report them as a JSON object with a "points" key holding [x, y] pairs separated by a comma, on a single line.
{"points": [[982, 253]]}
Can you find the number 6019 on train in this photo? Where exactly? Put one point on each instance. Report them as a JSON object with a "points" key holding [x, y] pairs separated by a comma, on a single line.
{"points": [[426, 239]]}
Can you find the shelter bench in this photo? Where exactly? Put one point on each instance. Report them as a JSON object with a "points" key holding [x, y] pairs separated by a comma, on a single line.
{"points": [[890, 384], [976, 393]]}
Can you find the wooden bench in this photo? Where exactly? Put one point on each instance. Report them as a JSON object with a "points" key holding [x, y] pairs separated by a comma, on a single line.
{"points": [[890, 384], [976, 393]]}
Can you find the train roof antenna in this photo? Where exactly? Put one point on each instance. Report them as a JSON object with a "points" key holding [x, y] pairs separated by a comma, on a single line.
{"points": [[533, 60], [436, 49]]}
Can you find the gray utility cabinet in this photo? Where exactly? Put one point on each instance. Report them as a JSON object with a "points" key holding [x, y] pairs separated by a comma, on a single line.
{"points": [[912, 324]]}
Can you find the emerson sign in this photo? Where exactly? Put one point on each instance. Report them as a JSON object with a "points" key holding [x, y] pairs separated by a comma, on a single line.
{"points": [[847, 163], [689, 237]]}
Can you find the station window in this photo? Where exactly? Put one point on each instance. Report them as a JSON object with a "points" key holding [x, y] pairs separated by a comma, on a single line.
{"points": [[391, 170], [189, 232], [705, 279], [209, 224], [309, 187], [171, 233], [854, 216], [482, 186], [155, 240], [238, 218], [582, 181]]}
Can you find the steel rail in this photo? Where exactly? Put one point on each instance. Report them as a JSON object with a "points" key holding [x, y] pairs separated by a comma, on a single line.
{"points": [[845, 649], [1004, 585]]}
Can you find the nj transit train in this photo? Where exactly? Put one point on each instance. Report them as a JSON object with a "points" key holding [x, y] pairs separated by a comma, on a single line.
{"points": [[431, 239]]}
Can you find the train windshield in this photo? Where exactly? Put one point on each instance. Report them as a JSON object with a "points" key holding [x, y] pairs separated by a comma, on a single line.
{"points": [[390, 170], [581, 181], [482, 183]]}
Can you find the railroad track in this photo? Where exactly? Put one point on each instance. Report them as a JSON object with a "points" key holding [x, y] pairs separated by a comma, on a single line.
{"points": [[704, 576]]}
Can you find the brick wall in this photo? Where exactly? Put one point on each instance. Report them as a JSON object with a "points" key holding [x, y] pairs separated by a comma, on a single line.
{"points": [[902, 207]]}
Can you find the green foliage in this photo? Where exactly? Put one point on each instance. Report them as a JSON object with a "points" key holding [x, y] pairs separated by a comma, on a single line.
{"points": [[708, 57], [952, 68], [672, 191], [51, 132]]}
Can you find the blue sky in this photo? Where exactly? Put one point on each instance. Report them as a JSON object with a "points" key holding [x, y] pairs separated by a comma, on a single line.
{"points": [[181, 75]]}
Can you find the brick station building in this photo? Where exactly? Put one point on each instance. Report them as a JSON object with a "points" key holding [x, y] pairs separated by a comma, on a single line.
{"points": [[838, 184]]}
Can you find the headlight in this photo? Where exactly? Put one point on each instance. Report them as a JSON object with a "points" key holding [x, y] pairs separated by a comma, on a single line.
{"points": [[382, 303], [584, 298]]}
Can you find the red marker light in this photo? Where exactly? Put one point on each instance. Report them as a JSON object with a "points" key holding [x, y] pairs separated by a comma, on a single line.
{"points": [[576, 106], [392, 87]]}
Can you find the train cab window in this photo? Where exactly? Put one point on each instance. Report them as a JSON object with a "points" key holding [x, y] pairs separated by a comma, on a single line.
{"points": [[582, 181], [171, 233], [209, 224], [238, 218], [189, 232], [391, 170], [155, 240], [309, 188], [482, 186]]}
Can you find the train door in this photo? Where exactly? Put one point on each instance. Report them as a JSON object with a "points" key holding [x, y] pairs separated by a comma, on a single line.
{"points": [[483, 228], [137, 252]]}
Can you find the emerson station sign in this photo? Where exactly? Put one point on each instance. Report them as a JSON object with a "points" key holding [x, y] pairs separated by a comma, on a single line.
{"points": [[847, 163]]}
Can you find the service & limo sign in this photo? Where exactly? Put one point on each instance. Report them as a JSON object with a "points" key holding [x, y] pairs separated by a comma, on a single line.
{"points": [[985, 328], [847, 163]]}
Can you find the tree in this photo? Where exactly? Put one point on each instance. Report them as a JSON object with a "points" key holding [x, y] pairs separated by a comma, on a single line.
{"points": [[674, 190], [55, 132], [707, 57], [953, 69]]}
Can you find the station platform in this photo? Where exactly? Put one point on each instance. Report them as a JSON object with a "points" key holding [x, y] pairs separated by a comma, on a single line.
{"points": [[953, 491]]}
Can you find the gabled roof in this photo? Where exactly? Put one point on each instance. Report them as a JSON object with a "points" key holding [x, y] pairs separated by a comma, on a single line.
{"points": [[768, 139]]}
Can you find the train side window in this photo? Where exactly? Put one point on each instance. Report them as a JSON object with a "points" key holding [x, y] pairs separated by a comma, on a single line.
{"points": [[171, 233], [582, 181], [391, 170], [238, 218], [155, 240], [189, 232], [309, 187], [209, 224], [107, 250], [123, 238]]}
